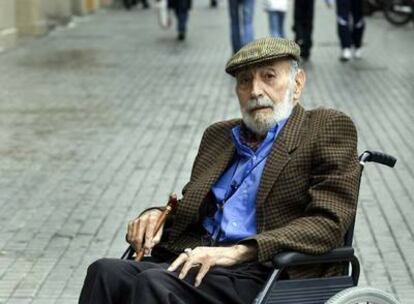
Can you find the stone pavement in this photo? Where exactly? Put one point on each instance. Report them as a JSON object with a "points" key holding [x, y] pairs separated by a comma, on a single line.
{"points": [[102, 120]]}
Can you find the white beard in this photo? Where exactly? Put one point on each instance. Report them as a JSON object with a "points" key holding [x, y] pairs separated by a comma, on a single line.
{"points": [[259, 122]]}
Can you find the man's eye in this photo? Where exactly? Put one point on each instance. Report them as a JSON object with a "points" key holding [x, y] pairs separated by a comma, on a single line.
{"points": [[270, 76], [244, 80]]}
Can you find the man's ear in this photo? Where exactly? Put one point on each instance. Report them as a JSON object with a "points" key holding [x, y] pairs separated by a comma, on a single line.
{"points": [[300, 81]]}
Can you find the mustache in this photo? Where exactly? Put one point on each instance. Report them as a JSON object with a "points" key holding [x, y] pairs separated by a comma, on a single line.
{"points": [[254, 104]]}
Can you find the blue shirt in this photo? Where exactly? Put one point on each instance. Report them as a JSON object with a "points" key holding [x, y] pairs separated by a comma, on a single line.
{"points": [[235, 191]]}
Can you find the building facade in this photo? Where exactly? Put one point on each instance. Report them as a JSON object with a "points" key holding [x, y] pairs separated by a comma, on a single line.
{"points": [[19, 18]]}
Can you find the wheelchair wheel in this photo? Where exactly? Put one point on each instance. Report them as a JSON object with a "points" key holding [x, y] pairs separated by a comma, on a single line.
{"points": [[357, 295]]}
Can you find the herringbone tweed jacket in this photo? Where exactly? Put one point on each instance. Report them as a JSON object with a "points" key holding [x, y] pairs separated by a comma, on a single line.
{"points": [[308, 191]]}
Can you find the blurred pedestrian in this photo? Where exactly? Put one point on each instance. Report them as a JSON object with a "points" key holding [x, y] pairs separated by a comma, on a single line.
{"points": [[241, 34], [303, 26], [181, 9], [350, 33], [276, 10], [145, 4], [130, 3]]}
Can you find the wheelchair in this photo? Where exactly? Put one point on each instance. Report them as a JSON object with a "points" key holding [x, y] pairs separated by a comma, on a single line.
{"points": [[340, 289]]}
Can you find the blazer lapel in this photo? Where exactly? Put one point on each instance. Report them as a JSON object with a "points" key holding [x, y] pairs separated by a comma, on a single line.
{"points": [[204, 184], [199, 189], [286, 142]]}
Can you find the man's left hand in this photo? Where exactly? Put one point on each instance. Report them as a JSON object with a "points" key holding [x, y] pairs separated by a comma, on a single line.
{"points": [[206, 257]]}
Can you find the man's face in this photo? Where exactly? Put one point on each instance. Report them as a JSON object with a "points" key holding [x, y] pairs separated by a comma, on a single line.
{"points": [[266, 94]]}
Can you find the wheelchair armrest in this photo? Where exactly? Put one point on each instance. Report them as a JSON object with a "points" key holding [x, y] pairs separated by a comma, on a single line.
{"points": [[292, 258], [337, 255]]}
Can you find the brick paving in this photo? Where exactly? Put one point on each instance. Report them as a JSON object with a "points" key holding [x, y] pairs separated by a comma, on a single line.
{"points": [[103, 120]]}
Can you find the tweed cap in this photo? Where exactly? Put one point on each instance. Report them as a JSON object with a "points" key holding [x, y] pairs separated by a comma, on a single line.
{"points": [[262, 50]]}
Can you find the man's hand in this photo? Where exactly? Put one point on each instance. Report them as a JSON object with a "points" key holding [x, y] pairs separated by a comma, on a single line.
{"points": [[141, 231], [207, 257]]}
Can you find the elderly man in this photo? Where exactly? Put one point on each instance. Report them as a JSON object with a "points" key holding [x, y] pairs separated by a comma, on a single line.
{"points": [[281, 178]]}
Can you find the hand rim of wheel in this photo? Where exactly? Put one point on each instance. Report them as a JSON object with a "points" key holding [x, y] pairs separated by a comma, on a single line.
{"points": [[362, 294]]}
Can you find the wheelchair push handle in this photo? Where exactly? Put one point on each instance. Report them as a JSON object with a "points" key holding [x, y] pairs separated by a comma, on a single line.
{"points": [[377, 157]]}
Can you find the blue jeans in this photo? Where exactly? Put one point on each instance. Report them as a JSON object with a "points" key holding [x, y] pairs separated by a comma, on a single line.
{"points": [[276, 19], [241, 35], [182, 17]]}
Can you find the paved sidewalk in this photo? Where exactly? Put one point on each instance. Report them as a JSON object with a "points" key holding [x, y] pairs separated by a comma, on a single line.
{"points": [[100, 121]]}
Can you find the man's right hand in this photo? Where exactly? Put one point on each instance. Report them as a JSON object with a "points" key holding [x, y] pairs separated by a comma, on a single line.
{"points": [[141, 231]]}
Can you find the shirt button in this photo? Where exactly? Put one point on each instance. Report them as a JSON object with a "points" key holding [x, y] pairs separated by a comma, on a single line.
{"points": [[254, 157], [234, 224]]}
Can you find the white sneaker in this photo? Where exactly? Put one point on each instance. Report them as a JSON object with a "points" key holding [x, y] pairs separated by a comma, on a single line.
{"points": [[346, 55], [358, 53]]}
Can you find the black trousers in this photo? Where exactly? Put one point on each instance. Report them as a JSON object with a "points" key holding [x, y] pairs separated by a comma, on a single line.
{"points": [[350, 34], [303, 25], [115, 281]]}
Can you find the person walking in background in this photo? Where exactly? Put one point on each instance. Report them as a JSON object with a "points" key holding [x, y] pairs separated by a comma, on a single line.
{"points": [[241, 35], [303, 26], [145, 4], [181, 9], [130, 3], [350, 33], [276, 9]]}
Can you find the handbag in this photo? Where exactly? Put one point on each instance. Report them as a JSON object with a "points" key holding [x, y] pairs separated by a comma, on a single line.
{"points": [[164, 17]]}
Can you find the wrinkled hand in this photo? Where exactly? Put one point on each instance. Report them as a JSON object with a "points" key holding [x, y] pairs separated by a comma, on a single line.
{"points": [[206, 257], [141, 231]]}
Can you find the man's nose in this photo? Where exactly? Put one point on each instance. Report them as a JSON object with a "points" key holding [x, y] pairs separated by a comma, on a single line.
{"points": [[257, 91]]}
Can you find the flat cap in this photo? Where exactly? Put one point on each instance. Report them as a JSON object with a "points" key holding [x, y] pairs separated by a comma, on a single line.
{"points": [[262, 50]]}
